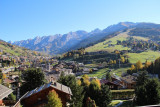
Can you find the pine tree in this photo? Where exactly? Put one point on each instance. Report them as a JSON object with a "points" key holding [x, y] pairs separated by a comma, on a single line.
{"points": [[147, 91], [33, 78], [94, 89], [105, 96], [108, 76], [153, 92], [77, 90], [53, 100]]}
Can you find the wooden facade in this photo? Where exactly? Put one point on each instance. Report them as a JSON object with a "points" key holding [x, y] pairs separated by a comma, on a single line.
{"points": [[40, 99]]}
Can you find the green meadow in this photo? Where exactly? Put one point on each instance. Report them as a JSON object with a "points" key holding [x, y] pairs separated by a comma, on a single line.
{"points": [[143, 56]]}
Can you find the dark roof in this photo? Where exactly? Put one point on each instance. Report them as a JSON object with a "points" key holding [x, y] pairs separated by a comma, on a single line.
{"points": [[55, 85], [4, 91], [104, 81], [129, 79]]}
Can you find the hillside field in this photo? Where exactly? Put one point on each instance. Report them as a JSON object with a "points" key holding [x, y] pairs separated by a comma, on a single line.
{"points": [[103, 46], [143, 56]]}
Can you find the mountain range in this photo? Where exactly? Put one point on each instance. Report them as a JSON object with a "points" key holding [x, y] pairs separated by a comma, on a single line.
{"points": [[58, 44]]}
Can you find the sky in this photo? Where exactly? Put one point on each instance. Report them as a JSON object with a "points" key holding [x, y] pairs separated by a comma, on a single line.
{"points": [[25, 19]]}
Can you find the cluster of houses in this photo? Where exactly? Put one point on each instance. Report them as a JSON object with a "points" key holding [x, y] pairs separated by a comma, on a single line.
{"points": [[52, 70], [38, 96]]}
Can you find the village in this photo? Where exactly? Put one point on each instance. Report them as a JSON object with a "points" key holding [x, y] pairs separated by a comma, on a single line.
{"points": [[12, 68], [70, 53]]}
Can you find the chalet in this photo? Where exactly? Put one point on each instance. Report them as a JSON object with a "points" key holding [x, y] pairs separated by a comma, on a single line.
{"points": [[112, 85], [4, 92], [12, 81], [55, 74], [8, 82], [67, 71], [38, 96], [86, 70], [129, 81]]}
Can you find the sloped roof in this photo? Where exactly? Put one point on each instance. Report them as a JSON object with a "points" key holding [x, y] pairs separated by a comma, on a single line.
{"points": [[55, 85], [104, 81], [129, 79], [4, 91]]}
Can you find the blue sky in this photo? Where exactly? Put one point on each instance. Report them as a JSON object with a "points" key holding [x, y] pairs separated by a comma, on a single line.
{"points": [[24, 19]]}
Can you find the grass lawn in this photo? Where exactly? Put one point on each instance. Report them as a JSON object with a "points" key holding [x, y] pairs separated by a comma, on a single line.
{"points": [[127, 103], [99, 74], [140, 38], [91, 65], [102, 46], [102, 72], [119, 71], [114, 102], [143, 56]]}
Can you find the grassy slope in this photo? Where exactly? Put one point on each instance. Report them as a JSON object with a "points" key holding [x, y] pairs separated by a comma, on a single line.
{"points": [[14, 50], [143, 56], [120, 71], [11, 51], [140, 38], [104, 47], [99, 74], [102, 72], [133, 57]]}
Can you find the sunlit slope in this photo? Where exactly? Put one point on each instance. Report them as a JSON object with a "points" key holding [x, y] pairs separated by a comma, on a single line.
{"points": [[107, 44]]}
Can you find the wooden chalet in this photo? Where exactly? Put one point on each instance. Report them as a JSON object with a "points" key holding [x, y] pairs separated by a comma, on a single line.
{"points": [[112, 85], [38, 96], [129, 81]]}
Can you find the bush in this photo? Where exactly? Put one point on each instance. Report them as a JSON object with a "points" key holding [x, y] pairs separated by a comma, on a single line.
{"points": [[122, 94]]}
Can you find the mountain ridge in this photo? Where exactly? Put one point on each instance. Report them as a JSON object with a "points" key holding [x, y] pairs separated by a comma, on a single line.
{"points": [[58, 44]]}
